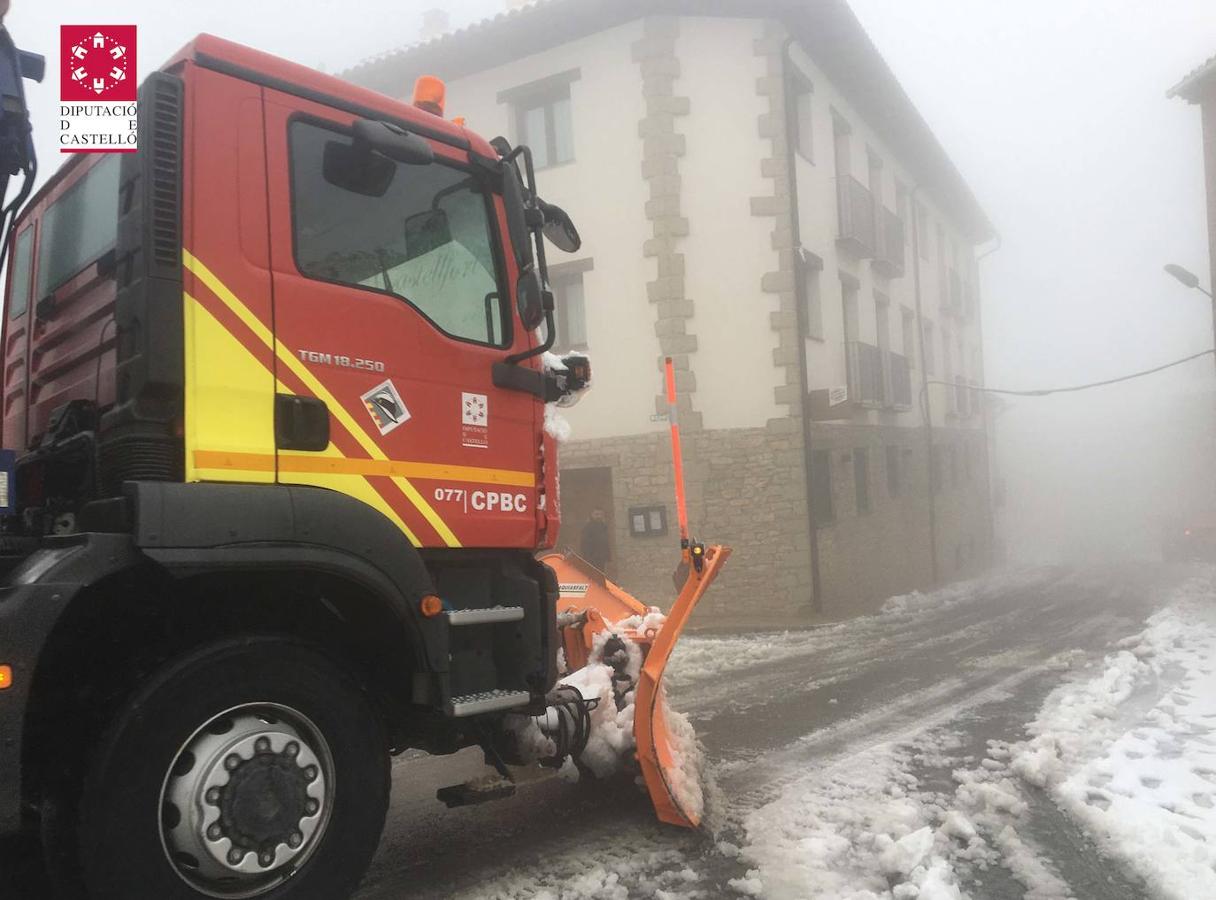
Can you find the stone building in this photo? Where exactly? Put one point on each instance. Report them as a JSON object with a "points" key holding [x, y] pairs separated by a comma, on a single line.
{"points": [[759, 200]]}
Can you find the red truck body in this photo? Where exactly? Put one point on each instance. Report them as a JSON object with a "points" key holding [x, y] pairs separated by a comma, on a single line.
{"points": [[275, 386]]}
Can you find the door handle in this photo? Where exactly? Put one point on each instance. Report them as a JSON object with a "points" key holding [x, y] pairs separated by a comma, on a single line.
{"points": [[300, 423]]}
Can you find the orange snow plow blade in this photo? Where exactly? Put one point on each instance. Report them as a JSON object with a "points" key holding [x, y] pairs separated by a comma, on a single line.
{"points": [[660, 768], [590, 603]]}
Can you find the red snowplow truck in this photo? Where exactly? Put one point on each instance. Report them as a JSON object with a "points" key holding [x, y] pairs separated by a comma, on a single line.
{"points": [[277, 476]]}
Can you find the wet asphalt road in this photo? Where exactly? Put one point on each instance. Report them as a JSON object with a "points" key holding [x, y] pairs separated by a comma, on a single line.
{"points": [[769, 709]]}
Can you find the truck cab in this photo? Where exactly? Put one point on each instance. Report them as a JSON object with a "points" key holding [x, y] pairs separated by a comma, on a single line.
{"points": [[274, 394]]}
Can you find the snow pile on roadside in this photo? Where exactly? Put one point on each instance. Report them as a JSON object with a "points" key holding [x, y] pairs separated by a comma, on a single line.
{"points": [[969, 591], [857, 829], [865, 828], [1129, 753], [984, 817]]}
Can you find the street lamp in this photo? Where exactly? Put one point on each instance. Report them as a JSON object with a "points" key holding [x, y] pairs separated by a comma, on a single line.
{"points": [[1187, 277], [1191, 280]]}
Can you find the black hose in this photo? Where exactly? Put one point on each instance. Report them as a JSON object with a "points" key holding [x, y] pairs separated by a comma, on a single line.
{"points": [[573, 724], [8, 216]]}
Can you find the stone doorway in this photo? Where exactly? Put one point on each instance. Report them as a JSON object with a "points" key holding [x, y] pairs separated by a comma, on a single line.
{"points": [[584, 490]]}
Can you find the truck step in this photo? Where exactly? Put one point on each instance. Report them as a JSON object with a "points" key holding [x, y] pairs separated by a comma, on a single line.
{"points": [[485, 616], [486, 701]]}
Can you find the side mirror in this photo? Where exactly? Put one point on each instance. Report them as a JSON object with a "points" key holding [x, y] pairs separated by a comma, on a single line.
{"points": [[357, 171], [426, 231], [559, 228], [530, 299], [393, 142]]}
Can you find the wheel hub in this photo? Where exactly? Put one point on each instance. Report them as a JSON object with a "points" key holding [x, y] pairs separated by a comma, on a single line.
{"points": [[246, 801], [264, 800]]}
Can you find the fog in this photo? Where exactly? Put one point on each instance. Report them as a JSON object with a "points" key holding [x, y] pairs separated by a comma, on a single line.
{"points": [[1055, 112], [1057, 116], [951, 656]]}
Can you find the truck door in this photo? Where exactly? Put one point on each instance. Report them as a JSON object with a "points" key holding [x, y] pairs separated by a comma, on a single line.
{"points": [[390, 308]]}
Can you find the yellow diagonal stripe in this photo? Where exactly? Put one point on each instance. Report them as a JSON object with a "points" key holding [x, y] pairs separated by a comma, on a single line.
{"points": [[288, 358], [355, 485]]}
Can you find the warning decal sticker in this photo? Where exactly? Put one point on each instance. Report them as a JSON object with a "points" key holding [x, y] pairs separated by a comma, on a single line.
{"points": [[386, 407]]}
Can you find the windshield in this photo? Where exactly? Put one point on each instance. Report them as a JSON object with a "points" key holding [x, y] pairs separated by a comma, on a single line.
{"points": [[427, 238]]}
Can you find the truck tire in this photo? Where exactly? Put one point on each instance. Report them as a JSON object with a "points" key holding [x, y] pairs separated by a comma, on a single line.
{"points": [[248, 769]]}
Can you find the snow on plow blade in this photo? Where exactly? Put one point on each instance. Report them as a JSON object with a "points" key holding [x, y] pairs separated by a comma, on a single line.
{"points": [[590, 603]]}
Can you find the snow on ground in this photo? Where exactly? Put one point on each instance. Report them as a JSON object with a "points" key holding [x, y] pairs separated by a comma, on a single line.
{"points": [[1125, 747], [856, 830], [1130, 753], [613, 869], [866, 827], [914, 796], [710, 658]]}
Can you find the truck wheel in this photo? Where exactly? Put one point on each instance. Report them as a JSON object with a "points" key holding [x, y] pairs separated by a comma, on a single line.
{"points": [[251, 769]]}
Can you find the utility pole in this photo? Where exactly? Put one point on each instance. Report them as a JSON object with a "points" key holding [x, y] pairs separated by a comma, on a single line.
{"points": [[1191, 280]]}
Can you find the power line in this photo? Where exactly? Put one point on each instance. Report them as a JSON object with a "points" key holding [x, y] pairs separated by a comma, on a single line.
{"points": [[1043, 392]]}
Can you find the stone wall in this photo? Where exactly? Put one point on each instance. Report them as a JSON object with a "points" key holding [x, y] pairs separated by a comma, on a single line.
{"points": [[738, 494], [745, 490], [867, 556], [662, 148], [779, 205]]}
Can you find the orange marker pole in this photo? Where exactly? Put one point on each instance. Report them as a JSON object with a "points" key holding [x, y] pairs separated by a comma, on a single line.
{"points": [[677, 456]]}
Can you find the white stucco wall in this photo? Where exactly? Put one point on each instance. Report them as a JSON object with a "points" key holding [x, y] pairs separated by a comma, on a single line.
{"points": [[603, 190], [727, 249]]}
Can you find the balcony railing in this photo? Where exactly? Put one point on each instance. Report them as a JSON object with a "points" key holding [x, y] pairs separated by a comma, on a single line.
{"points": [[856, 208], [889, 260], [899, 376], [867, 383]]}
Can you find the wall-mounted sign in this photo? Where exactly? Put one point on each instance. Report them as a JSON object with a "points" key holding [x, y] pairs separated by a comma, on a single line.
{"points": [[647, 521]]}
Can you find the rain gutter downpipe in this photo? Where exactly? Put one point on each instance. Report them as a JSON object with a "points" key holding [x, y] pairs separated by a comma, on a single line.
{"points": [[804, 395], [989, 419], [925, 409]]}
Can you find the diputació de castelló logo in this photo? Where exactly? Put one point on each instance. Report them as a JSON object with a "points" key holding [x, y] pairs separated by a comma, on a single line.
{"points": [[98, 86]]}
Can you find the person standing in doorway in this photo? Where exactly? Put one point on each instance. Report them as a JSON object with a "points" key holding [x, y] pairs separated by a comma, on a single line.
{"points": [[593, 542]]}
